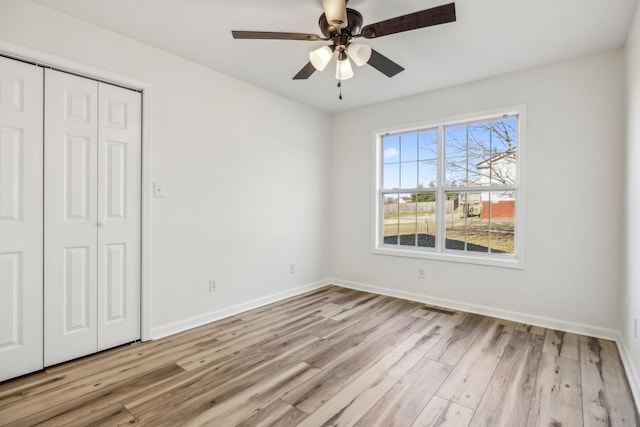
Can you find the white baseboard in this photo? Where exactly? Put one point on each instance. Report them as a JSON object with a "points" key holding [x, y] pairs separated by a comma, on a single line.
{"points": [[192, 322], [545, 322], [630, 368]]}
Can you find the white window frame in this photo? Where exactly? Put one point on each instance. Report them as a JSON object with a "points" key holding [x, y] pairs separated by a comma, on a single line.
{"points": [[515, 260]]}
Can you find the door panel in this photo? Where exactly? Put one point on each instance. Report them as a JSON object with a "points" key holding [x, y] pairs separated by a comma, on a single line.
{"points": [[20, 218], [71, 217], [77, 290], [11, 173], [11, 303], [119, 185]]}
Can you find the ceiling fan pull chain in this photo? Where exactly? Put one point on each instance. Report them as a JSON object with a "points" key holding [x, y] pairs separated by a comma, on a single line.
{"points": [[340, 90]]}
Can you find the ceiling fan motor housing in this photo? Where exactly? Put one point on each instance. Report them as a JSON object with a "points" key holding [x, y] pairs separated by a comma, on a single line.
{"points": [[353, 27]]}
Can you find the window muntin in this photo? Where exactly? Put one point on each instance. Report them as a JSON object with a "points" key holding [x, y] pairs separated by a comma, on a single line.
{"points": [[451, 189]]}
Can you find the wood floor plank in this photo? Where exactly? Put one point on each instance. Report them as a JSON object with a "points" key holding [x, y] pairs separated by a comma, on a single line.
{"points": [[192, 400], [289, 364], [605, 391], [326, 351], [455, 344], [428, 311], [313, 394], [441, 412], [81, 400], [248, 400], [112, 415], [562, 344], [329, 310], [16, 390], [356, 397], [357, 307], [507, 398], [217, 374], [401, 405], [245, 343], [277, 414], [270, 321], [468, 380], [537, 330], [557, 399]]}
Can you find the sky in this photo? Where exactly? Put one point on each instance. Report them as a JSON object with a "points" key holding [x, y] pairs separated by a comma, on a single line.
{"points": [[410, 159]]}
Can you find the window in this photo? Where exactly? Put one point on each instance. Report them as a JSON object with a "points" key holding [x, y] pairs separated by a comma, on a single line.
{"points": [[451, 191]]}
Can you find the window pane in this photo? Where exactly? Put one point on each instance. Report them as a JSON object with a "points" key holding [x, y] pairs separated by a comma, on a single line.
{"points": [[409, 175], [391, 176], [477, 223], [427, 173], [479, 152], [456, 156], [408, 147], [390, 218], [428, 144], [466, 228], [426, 219], [500, 209], [408, 220], [391, 149], [454, 222], [504, 144]]}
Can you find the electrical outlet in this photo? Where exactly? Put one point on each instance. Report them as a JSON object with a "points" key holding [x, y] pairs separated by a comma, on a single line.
{"points": [[212, 285], [292, 268], [420, 273]]}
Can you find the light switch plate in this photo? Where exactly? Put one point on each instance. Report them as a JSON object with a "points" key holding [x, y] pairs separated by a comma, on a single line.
{"points": [[158, 190]]}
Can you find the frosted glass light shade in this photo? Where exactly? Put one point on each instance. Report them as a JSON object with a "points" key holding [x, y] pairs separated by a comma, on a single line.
{"points": [[320, 57], [360, 53], [343, 69]]}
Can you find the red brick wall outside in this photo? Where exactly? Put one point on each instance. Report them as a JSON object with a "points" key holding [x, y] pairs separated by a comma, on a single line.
{"points": [[504, 209]]}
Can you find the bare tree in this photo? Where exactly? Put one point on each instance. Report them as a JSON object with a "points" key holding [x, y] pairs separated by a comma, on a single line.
{"points": [[486, 149]]}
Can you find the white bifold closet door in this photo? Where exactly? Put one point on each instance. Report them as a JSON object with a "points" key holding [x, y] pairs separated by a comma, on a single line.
{"points": [[20, 218], [92, 173]]}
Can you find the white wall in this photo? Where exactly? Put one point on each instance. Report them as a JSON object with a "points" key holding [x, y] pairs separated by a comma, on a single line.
{"points": [[630, 305], [574, 197], [245, 171], [247, 180]]}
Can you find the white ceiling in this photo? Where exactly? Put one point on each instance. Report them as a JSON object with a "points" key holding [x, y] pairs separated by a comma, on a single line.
{"points": [[490, 37]]}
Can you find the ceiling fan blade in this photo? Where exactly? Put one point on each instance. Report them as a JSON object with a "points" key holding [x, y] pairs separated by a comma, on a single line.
{"points": [[336, 13], [425, 18], [384, 64], [306, 72], [267, 35]]}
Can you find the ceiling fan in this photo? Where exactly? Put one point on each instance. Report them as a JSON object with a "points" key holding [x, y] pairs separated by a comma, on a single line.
{"points": [[340, 25]]}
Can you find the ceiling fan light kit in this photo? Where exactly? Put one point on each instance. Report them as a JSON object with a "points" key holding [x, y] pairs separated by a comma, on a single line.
{"points": [[321, 57], [343, 67], [359, 53], [340, 24]]}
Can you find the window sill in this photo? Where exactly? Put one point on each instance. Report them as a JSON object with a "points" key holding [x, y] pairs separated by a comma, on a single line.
{"points": [[506, 261]]}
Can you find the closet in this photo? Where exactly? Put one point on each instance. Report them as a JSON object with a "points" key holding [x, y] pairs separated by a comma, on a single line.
{"points": [[70, 192]]}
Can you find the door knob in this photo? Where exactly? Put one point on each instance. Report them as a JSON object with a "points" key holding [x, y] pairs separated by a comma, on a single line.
{"points": [[101, 224]]}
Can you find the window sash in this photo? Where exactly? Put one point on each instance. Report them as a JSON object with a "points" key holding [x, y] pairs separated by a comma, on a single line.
{"points": [[440, 190]]}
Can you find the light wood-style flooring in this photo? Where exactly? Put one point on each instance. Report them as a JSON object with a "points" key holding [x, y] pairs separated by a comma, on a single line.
{"points": [[337, 357]]}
